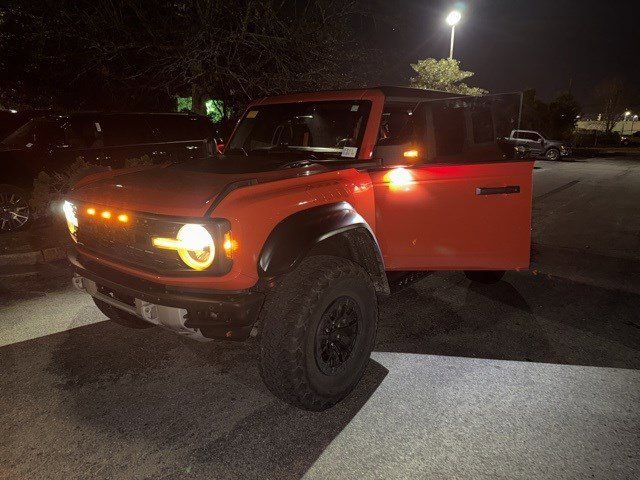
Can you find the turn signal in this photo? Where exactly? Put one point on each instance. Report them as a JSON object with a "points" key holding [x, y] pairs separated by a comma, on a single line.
{"points": [[399, 178], [413, 153], [230, 245]]}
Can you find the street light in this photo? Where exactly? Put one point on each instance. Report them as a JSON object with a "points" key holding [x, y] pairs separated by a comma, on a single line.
{"points": [[452, 20], [624, 121]]}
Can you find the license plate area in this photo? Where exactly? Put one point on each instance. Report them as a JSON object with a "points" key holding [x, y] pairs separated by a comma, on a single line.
{"points": [[126, 299]]}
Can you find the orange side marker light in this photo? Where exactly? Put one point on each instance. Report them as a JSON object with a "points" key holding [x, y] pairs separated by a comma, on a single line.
{"points": [[123, 218], [413, 153], [399, 179], [230, 245], [106, 215], [91, 211]]}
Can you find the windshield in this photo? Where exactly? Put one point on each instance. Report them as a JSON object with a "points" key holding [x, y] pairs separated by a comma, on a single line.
{"points": [[23, 137], [332, 129]]}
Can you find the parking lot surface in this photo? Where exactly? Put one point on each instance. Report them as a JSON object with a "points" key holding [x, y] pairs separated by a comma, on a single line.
{"points": [[537, 376]]}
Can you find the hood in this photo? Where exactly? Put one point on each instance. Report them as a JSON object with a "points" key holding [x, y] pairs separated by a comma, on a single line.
{"points": [[177, 190]]}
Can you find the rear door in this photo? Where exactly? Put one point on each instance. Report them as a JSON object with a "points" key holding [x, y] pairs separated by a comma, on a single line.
{"points": [[181, 137], [532, 141], [464, 206], [127, 140]]}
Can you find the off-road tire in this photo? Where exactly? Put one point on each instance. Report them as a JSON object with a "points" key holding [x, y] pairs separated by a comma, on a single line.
{"points": [[120, 317], [553, 154], [290, 321], [484, 276], [14, 197]]}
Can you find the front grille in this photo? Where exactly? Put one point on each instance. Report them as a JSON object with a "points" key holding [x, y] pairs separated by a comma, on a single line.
{"points": [[130, 242]]}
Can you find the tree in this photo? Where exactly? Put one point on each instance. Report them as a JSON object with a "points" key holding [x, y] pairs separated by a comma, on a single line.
{"points": [[555, 119], [609, 96], [562, 116], [136, 54], [444, 75]]}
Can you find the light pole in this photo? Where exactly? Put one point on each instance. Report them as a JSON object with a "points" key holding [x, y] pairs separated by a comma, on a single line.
{"points": [[624, 121], [452, 19], [633, 120]]}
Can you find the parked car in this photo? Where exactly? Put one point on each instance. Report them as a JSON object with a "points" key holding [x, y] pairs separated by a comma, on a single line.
{"points": [[632, 140], [321, 203], [538, 145], [53, 142]]}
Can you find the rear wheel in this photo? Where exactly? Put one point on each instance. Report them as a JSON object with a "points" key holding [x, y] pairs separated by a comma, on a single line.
{"points": [[484, 276], [318, 331], [15, 213], [121, 317]]}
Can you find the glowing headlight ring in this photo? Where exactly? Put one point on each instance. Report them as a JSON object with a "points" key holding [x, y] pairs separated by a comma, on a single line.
{"points": [[192, 240]]}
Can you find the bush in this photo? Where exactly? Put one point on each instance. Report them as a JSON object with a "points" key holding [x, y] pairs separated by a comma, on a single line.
{"points": [[143, 161], [595, 138], [50, 188]]}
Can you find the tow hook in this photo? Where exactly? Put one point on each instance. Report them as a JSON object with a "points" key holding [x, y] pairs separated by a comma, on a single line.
{"points": [[78, 283]]}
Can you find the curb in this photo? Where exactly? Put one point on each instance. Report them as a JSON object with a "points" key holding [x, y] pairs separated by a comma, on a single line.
{"points": [[33, 258]]}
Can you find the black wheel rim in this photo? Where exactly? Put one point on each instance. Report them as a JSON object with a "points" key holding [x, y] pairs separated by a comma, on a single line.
{"points": [[14, 211], [338, 330]]}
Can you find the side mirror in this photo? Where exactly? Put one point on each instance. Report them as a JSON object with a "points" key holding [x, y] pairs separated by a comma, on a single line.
{"points": [[407, 153]]}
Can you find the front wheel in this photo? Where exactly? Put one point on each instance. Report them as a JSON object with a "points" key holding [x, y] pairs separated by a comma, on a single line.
{"points": [[15, 213], [318, 331]]}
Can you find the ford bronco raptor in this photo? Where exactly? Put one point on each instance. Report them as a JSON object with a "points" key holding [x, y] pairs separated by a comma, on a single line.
{"points": [[320, 203]]}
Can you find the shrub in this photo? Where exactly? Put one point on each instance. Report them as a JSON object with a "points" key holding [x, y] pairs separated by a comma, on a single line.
{"points": [[50, 187]]}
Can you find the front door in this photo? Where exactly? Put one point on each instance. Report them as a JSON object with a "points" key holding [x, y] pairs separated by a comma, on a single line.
{"points": [[463, 207]]}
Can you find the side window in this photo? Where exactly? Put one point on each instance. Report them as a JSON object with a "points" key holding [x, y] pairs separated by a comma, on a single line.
{"points": [[176, 128], [82, 133], [482, 124], [49, 133], [533, 137], [449, 129], [125, 130], [399, 123]]}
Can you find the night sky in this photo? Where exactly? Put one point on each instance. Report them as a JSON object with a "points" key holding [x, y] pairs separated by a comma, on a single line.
{"points": [[518, 44]]}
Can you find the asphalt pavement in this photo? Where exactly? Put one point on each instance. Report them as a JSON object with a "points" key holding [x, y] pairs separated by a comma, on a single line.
{"points": [[537, 376]]}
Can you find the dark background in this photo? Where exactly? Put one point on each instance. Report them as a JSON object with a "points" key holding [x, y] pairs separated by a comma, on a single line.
{"points": [[549, 45]]}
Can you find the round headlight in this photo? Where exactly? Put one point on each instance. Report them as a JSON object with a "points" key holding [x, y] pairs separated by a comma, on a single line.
{"points": [[70, 215], [197, 248]]}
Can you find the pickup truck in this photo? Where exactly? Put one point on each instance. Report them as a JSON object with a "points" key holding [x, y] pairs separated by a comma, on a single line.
{"points": [[537, 145], [320, 204]]}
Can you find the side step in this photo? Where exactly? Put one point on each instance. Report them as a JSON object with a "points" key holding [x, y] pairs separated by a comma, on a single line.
{"points": [[400, 280]]}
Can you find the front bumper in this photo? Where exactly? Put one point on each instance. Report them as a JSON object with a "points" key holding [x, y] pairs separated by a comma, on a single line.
{"points": [[195, 314]]}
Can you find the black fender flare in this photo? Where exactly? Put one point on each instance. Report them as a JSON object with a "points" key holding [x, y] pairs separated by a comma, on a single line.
{"points": [[291, 239]]}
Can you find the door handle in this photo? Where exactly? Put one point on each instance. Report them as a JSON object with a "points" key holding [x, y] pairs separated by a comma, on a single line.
{"points": [[509, 189]]}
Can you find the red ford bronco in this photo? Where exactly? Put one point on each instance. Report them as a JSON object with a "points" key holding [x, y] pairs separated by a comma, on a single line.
{"points": [[320, 203]]}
